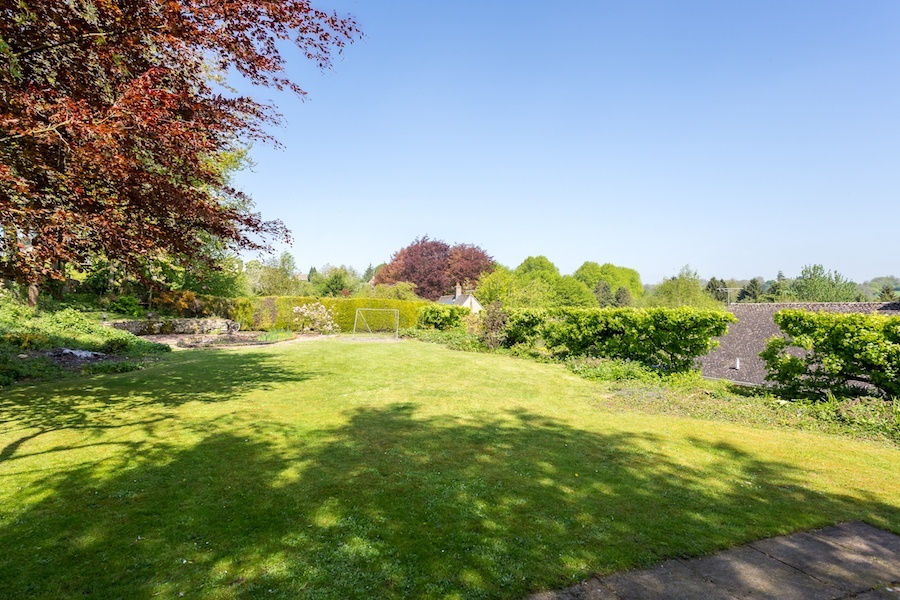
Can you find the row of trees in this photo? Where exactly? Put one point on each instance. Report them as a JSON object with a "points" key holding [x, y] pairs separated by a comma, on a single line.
{"points": [[279, 276], [429, 268], [537, 282], [814, 284]]}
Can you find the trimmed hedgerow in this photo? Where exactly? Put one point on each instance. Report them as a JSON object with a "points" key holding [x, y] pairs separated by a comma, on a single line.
{"points": [[277, 312], [837, 353], [441, 316], [668, 339]]}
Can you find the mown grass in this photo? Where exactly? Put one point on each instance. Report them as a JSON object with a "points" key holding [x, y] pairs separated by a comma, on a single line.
{"points": [[335, 469]]}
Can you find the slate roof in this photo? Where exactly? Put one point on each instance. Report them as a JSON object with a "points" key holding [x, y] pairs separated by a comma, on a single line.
{"points": [[747, 338], [457, 300]]}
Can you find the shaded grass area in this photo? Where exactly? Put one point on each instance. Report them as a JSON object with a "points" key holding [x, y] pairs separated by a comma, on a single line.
{"points": [[342, 470]]}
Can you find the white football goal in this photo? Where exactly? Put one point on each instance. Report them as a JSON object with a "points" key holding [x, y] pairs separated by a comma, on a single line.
{"points": [[376, 322]]}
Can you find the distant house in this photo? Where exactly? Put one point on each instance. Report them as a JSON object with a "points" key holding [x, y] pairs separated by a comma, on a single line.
{"points": [[461, 299]]}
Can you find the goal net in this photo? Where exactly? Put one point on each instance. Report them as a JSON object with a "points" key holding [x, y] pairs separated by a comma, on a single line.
{"points": [[376, 322]]}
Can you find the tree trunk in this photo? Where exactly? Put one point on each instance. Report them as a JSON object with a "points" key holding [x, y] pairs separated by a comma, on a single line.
{"points": [[33, 292]]}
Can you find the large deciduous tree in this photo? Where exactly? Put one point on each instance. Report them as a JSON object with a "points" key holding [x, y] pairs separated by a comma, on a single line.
{"points": [[815, 284], [434, 266], [111, 122]]}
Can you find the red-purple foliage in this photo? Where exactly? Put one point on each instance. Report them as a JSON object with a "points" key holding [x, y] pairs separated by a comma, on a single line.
{"points": [[467, 262], [110, 123], [434, 266]]}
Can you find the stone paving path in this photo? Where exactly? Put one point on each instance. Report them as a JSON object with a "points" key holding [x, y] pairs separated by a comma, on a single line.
{"points": [[849, 560]]}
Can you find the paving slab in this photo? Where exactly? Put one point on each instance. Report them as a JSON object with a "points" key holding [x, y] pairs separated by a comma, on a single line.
{"points": [[848, 560], [748, 573], [862, 538], [672, 580], [829, 562]]}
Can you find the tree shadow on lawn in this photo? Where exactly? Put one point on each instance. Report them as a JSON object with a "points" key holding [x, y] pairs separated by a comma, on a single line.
{"points": [[396, 505], [99, 402]]}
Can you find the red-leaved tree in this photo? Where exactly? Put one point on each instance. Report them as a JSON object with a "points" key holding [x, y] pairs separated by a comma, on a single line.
{"points": [[434, 266], [467, 262], [111, 122]]}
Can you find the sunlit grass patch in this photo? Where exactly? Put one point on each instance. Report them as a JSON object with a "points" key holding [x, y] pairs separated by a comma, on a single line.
{"points": [[350, 470]]}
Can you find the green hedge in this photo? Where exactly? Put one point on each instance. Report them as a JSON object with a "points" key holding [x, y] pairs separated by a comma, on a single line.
{"points": [[834, 352], [276, 312], [669, 339], [441, 316]]}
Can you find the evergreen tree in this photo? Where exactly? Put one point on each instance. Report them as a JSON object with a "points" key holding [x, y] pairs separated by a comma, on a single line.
{"points": [[604, 294], [887, 294], [715, 288], [623, 297], [751, 292], [369, 273]]}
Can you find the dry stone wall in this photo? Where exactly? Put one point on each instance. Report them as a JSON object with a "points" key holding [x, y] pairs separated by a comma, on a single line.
{"points": [[189, 326], [747, 338]]}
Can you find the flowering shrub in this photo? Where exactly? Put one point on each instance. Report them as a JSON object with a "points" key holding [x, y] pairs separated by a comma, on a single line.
{"points": [[179, 302], [315, 318]]}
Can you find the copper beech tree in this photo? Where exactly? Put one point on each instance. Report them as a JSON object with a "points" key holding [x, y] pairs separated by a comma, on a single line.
{"points": [[113, 114], [435, 266]]}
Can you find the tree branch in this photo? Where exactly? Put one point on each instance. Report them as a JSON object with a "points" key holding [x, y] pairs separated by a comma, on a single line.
{"points": [[81, 37], [33, 132]]}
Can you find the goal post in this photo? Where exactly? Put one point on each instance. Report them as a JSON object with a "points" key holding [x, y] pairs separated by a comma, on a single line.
{"points": [[376, 321]]}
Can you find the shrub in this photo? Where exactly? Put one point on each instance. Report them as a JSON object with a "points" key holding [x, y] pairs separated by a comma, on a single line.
{"points": [[845, 354], [493, 321], [455, 339], [605, 369], [13, 368], [24, 328], [179, 302], [69, 328], [127, 305], [314, 318], [24, 340], [276, 335], [114, 346], [441, 316]]}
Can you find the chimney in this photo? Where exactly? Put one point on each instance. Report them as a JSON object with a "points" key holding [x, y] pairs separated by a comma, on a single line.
{"points": [[458, 291]]}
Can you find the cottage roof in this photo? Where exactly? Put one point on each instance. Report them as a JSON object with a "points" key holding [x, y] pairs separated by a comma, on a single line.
{"points": [[457, 300]]}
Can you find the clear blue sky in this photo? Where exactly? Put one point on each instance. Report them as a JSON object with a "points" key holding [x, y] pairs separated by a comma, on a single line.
{"points": [[741, 138]]}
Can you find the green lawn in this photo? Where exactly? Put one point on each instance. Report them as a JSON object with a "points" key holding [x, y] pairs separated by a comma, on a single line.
{"points": [[334, 469]]}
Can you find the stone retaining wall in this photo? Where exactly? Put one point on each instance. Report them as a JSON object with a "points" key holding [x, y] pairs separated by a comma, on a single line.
{"points": [[189, 326], [747, 338]]}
